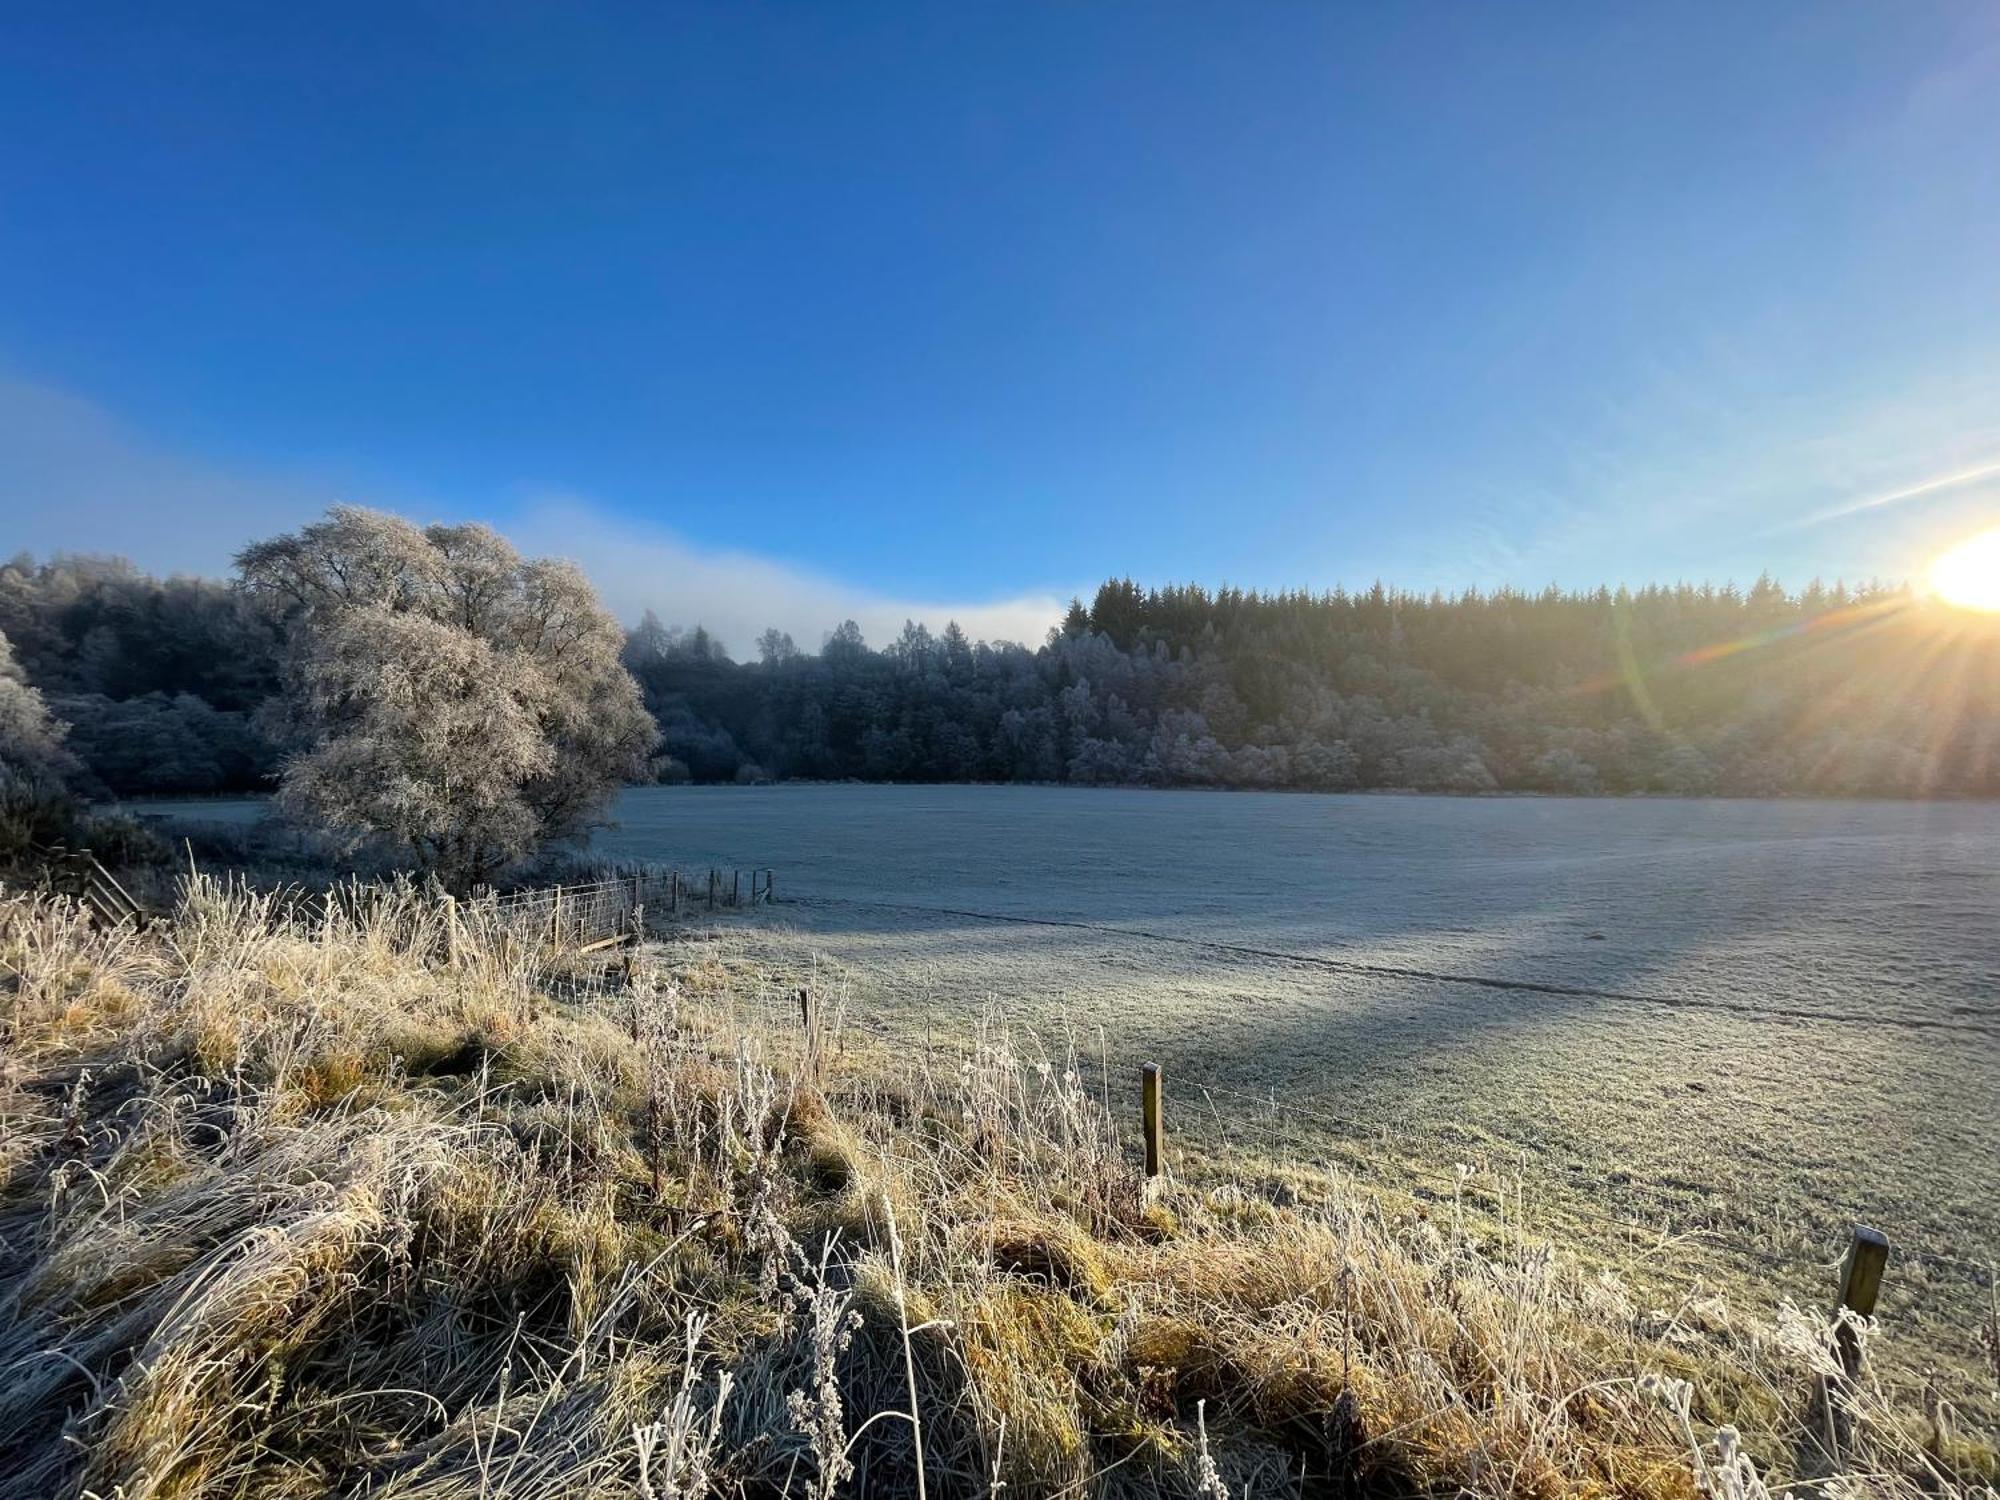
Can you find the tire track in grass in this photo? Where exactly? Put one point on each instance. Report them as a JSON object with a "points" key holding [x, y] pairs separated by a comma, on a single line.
{"points": [[1438, 976]]}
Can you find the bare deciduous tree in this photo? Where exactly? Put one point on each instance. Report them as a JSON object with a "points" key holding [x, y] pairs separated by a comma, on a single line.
{"points": [[443, 693]]}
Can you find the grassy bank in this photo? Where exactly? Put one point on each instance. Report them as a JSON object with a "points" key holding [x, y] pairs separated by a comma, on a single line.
{"points": [[292, 1206]]}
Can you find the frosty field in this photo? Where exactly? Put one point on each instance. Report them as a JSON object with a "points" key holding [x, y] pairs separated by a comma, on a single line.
{"points": [[1716, 1030], [1748, 1023]]}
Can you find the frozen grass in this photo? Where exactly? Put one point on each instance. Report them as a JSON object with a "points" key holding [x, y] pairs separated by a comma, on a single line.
{"points": [[1736, 1148], [294, 1207], [1761, 1023]]}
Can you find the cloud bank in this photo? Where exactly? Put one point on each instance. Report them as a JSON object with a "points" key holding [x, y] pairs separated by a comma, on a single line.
{"points": [[737, 594], [75, 478]]}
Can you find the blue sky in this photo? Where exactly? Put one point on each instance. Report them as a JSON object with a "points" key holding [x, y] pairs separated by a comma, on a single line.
{"points": [[768, 310]]}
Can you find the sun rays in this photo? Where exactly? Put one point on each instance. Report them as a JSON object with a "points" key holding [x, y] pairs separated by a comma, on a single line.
{"points": [[1896, 689]]}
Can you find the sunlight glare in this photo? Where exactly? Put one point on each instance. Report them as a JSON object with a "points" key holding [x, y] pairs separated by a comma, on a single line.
{"points": [[1969, 574]]}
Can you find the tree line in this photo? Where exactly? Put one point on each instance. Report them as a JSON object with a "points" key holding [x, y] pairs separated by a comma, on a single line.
{"points": [[1680, 690], [158, 679], [177, 685]]}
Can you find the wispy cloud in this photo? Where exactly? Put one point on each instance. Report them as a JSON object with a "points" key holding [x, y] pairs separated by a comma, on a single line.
{"points": [[74, 477], [1940, 484]]}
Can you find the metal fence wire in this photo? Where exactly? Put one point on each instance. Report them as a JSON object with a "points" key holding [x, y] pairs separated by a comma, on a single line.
{"points": [[603, 911]]}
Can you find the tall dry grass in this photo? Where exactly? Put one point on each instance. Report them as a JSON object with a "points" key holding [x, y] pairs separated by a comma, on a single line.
{"points": [[293, 1206]]}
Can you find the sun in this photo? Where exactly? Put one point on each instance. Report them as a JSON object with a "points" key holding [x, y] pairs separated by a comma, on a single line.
{"points": [[1969, 574]]}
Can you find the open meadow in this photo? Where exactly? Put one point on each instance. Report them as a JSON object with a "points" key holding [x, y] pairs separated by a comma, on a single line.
{"points": [[1704, 1038]]}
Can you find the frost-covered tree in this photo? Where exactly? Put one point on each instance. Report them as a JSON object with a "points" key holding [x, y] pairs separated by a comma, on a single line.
{"points": [[31, 739], [157, 744], [648, 642], [442, 693], [1563, 770], [844, 643], [1325, 766], [776, 647], [34, 806]]}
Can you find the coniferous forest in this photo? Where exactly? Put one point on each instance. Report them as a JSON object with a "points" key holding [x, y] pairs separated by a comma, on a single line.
{"points": [[1674, 690]]}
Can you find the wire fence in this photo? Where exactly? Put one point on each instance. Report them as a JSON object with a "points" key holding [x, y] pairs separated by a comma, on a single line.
{"points": [[608, 910]]}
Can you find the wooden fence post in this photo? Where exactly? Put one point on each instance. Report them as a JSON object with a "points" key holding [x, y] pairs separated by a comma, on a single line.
{"points": [[812, 1036], [1860, 1285], [674, 896], [736, 888], [769, 899], [630, 967], [638, 890], [1154, 1119], [714, 883], [555, 919]]}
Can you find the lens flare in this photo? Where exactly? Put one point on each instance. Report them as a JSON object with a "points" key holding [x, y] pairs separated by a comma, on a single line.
{"points": [[1969, 574]]}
